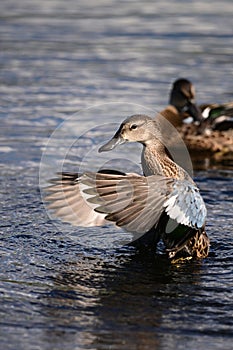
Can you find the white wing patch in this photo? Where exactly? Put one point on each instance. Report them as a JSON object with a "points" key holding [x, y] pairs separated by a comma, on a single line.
{"points": [[185, 205]]}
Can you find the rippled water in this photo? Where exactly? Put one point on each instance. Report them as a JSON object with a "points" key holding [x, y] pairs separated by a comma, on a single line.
{"points": [[60, 57]]}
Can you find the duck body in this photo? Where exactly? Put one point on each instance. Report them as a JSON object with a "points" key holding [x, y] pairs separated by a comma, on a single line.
{"points": [[164, 204], [218, 116], [210, 135]]}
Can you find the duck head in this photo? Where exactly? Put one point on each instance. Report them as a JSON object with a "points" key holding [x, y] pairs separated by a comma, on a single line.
{"points": [[182, 96], [137, 128]]}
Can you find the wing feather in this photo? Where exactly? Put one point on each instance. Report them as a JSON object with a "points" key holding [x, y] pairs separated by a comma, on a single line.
{"points": [[187, 208], [67, 201], [131, 201]]}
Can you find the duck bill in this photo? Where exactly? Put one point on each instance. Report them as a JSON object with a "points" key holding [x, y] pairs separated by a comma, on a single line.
{"points": [[113, 143], [195, 112]]}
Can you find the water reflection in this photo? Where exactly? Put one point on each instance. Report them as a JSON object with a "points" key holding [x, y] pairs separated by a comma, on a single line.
{"points": [[129, 301]]}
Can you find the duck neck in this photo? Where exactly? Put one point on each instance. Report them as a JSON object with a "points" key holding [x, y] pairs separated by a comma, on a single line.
{"points": [[156, 161]]}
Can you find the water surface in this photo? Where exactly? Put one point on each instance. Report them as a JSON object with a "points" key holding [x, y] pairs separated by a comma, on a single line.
{"points": [[58, 58]]}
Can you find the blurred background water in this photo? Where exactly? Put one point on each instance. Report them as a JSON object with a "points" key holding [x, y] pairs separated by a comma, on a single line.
{"points": [[58, 58]]}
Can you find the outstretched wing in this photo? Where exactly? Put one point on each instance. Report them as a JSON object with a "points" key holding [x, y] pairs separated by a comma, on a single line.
{"points": [[131, 201]]}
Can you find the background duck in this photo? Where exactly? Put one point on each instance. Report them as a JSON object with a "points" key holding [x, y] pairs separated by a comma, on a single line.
{"points": [[164, 204], [211, 131]]}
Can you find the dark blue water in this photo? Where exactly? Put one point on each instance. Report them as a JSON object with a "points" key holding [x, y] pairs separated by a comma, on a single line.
{"points": [[103, 60]]}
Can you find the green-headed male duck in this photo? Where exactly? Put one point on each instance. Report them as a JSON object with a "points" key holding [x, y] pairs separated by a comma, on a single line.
{"points": [[211, 131]]}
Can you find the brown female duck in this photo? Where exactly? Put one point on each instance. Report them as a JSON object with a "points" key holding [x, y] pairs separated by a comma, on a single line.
{"points": [[164, 204]]}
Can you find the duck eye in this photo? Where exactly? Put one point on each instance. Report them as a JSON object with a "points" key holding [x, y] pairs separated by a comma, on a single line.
{"points": [[133, 127]]}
